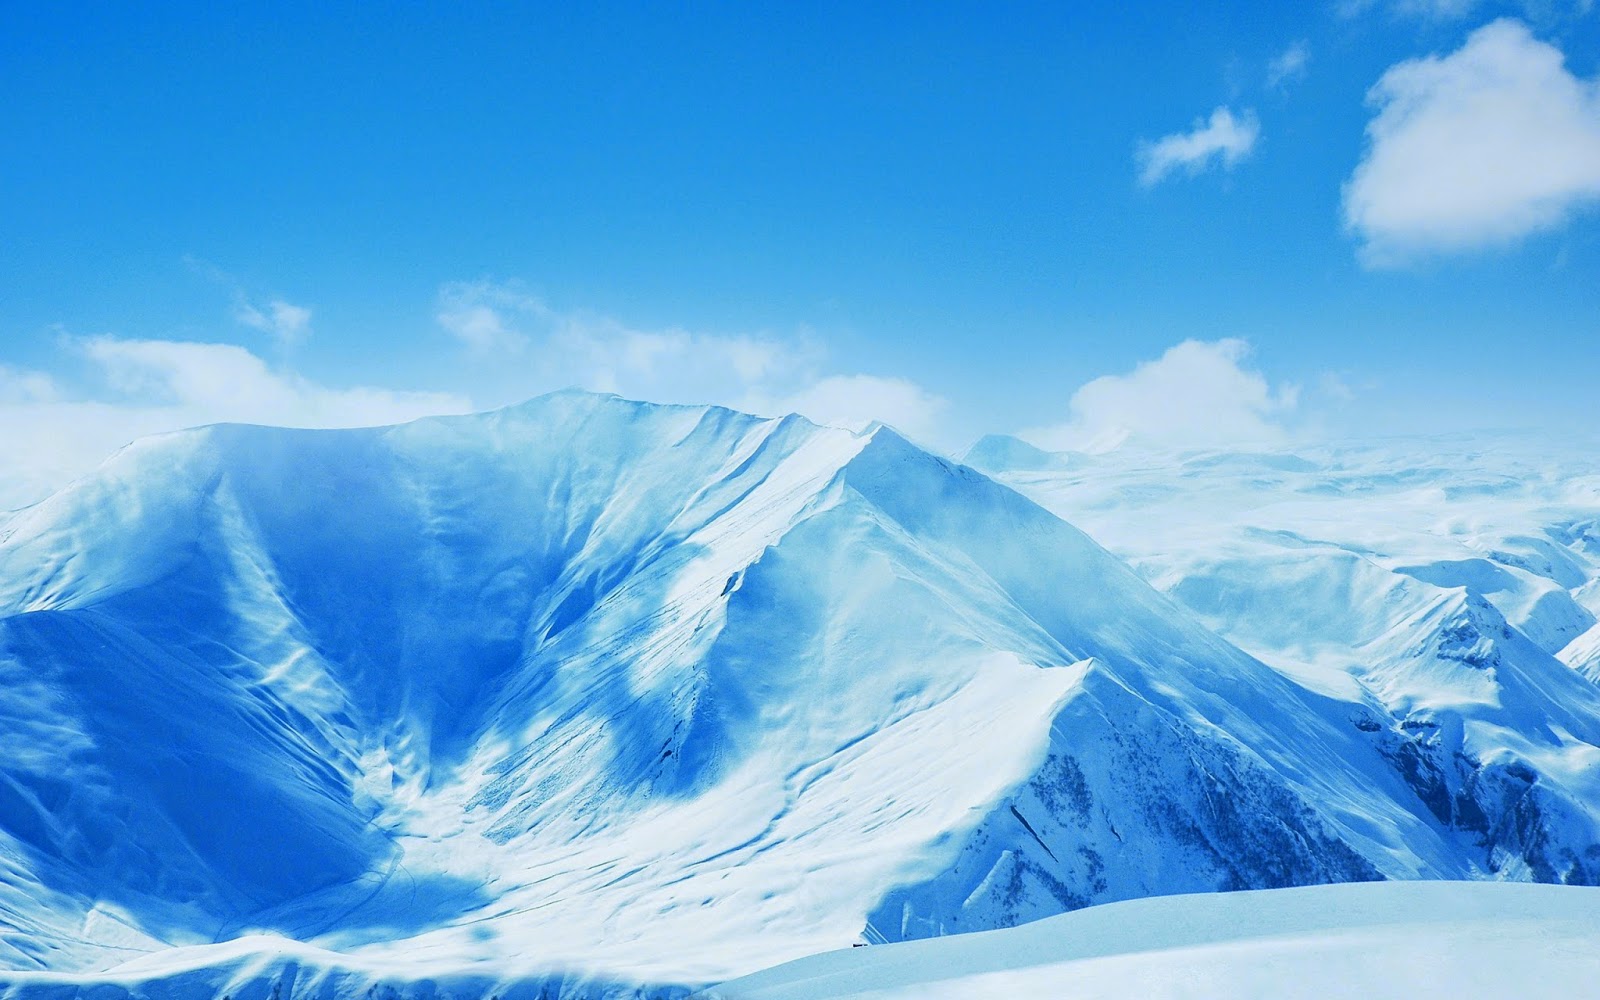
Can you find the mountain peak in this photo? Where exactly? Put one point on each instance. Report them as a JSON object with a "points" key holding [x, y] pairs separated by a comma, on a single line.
{"points": [[1004, 453], [712, 689]]}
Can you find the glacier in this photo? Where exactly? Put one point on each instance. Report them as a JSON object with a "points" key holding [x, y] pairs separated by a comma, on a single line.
{"points": [[594, 697]]}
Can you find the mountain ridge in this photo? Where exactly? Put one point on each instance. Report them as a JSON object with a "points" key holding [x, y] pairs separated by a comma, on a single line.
{"points": [[649, 695]]}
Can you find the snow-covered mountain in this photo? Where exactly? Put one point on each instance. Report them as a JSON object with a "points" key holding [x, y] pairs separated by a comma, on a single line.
{"points": [[598, 695], [1449, 584]]}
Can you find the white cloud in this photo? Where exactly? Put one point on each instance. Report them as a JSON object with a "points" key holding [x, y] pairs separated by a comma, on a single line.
{"points": [[48, 437], [210, 383], [1196, 395], [1438, 10], [856, 401], [1288, 66], [1223, 139], [496, 319], [760, 373], [672, 364], [286, 321], [53, 430], [1452, 10], [1480, 147], [482, 315]]}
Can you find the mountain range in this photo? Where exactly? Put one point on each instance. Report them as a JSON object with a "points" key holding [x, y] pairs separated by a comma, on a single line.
{"points": [[594, 697]]}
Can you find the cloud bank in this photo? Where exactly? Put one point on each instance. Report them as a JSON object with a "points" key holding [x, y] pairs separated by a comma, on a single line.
{"points": [[52, 430], [772, 375], [1477, 148], [50, 435]]}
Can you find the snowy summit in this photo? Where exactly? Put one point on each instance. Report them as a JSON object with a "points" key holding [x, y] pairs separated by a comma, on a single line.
{"points": [[592, 694]]}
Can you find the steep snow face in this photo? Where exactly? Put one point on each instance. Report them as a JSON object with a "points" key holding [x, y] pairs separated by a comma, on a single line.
{"points": [[589, 694], [1423, 939], [251, 659], [1583, 654], [1447, 589]]}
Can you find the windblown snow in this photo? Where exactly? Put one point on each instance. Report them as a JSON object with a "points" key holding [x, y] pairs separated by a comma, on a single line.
{"points": [[594, 697]]}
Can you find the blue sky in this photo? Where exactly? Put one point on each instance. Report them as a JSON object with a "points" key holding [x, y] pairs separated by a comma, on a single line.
{"points": [[950, 216]]}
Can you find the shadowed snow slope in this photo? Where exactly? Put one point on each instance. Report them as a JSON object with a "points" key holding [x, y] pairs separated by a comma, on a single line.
{"points": [[590, 696], [1440, 940]]}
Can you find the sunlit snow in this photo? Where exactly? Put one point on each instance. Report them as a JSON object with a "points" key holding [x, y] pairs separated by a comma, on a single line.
{"points": [[588, 695]]}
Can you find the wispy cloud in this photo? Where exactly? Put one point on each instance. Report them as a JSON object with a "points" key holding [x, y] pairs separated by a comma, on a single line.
{"points": [[1223, 139], [485, 315], [763, 373], [1455, 10], [1479, 147], [1441, 10], [1288, 66], [284, 321]]}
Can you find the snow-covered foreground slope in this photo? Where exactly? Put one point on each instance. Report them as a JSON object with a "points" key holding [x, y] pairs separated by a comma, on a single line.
{"points": [[1440, 940], [596, 695]]}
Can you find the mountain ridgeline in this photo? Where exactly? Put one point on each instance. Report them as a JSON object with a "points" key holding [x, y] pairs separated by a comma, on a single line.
{"points": [[588, 695]]}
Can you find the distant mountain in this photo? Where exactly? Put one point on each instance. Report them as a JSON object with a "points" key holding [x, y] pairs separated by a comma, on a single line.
{"points": [[1003, 453], [1450, 584], [593, 695]]}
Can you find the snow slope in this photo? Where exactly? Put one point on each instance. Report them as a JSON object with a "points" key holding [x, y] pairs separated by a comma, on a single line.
{"points": [[590, 696], [1444, 940], [1448, 585]]}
